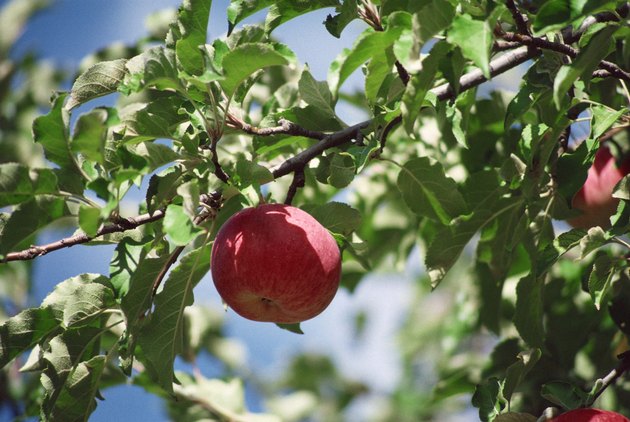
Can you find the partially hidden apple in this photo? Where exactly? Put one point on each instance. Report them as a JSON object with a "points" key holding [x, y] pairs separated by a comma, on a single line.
{"points": [[595, 199], [590, 415], [275, 263]]}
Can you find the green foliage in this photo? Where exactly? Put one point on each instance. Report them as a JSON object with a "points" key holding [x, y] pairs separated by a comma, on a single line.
{"points": [[477, 181]]}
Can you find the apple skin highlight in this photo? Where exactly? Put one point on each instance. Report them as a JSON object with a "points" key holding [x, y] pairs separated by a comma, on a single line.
{"points": [[595, 199], [275, 263]]}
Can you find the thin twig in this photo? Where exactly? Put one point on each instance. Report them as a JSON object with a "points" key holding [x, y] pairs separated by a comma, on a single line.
{"points": [[298, 182], [519, 19], [614, 375], [285, 128]]}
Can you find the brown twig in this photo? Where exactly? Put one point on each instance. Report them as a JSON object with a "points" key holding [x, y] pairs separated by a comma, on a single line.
{"points": [[614, 375], [298, 182], [520, 19], [285, 128], [565, 49]]}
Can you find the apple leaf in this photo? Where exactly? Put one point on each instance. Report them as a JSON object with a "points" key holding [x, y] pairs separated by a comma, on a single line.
{"points": [[161, 339], [429, 192], [528, 315], [601, 278], [488, 398], [603, 119], [316, 93], [244, 60], [584, 64], [432, 19], [346, 13], [19, 183], [294, 328], [24, 330], [100, 79], [474, 38], [189, 34], [515, 417], [77, 399], [370, 44], [284, 11], [419, 85], [51, 131], [241, 9], [90, 134], [179, 226], [137, 300], [564, 394], [336, 216], [29, 217], [516, 372], [78, 300]]}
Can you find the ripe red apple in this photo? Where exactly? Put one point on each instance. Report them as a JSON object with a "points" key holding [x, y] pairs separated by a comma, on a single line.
{"points": [[275, 263], [595, 198], [590, 415]]}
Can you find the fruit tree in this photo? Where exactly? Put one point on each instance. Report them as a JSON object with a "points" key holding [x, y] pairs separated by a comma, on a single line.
{"points": [[483, 156]]}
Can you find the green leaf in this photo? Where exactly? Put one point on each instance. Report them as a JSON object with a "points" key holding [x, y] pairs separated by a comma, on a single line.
{"points": [[89, 220], [190, 33], [429, 192], [137, 300], [283, 11], [316, 93], [76, 402], [60, 356], [155, 67], [515, 417], [603, 119], [28, 218], [90, 134], [79, 300], [178, 225], [342, 169], [244, 60], [19, 183], [474, 38], [563, 394], [336, 216], [368, 45], [346, 13], [584, 64], [484, 194], [158, 119], [241, 9], [294, 328], [51, 131], [561, 245], [488, 399], [161, 339], [100, 79], [600, 280], [528, 315], [553, 14], [419, 85], [518, 371], [25, 330], [432, 19]]}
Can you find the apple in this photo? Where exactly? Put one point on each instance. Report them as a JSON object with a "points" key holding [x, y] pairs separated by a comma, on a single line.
{"points": [[595, 198], [590, 415], [275, 263]]}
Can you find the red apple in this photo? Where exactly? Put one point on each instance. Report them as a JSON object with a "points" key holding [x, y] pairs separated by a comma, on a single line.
{"points": [[595, 198], [590, 415], [275, 263]]}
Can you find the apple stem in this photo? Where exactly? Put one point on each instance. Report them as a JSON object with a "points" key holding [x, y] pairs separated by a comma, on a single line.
{"points": [[611, 378]]}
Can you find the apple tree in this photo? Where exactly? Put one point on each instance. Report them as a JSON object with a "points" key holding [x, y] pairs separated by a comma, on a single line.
{"points": [[478, 181]]}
